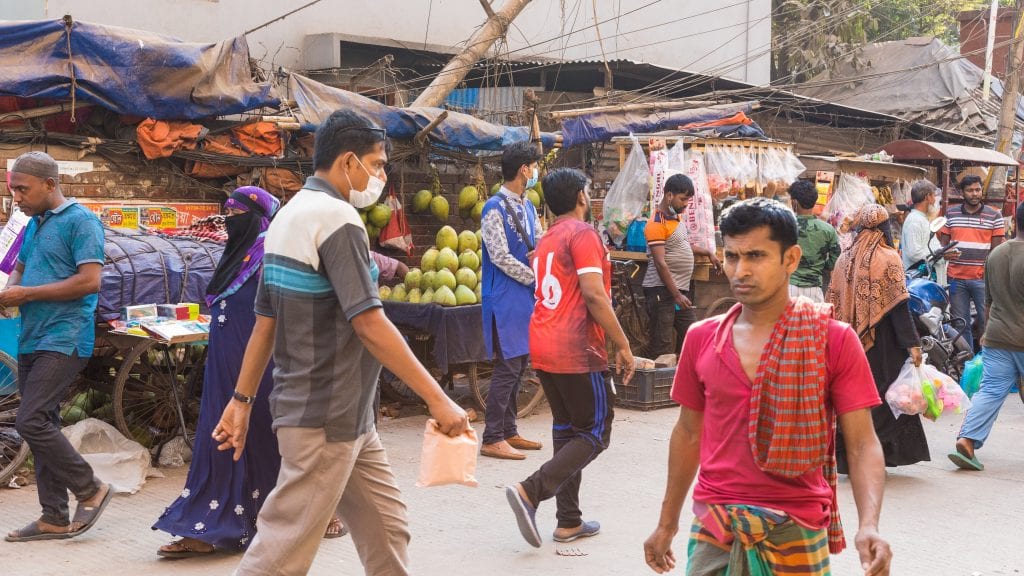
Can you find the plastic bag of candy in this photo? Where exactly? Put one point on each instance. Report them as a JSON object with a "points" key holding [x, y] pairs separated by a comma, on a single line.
{"points": [[926, 391]]}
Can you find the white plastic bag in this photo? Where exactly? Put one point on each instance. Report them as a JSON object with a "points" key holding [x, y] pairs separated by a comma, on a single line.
{"points": [[123, 463], [699, 217], [926, 391], [628, 195], [447, 460]]}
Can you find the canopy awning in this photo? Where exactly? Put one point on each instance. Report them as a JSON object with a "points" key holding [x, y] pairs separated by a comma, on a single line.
{"points": [[921, 150]]}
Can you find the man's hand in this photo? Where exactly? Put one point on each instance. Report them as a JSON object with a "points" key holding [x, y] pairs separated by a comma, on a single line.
{"points": [[658, 550], [875, 554], [451, 419], [233, 427], [625, 365], [14, 296], [916, 356], [716, 264], [953, 254], [682, 301]]}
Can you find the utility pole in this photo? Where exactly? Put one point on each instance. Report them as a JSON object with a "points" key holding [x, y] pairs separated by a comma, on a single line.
{"points": [[1011, 90], [455, 71]]}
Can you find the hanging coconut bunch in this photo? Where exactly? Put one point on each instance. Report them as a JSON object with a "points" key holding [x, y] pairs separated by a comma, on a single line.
{"points": [[432, 200]]}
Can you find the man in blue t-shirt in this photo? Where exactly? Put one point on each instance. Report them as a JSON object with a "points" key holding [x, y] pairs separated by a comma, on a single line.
{"points": [[55, 284]]}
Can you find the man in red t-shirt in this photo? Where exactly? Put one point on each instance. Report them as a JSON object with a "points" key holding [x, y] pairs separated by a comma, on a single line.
{"points": [[772, 376], [567, 348]]}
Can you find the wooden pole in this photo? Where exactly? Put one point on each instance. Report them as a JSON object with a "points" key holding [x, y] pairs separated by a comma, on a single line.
{"points": [[652, 106], [421, 137], [456, 69], [1011, 89], [40, 112]]}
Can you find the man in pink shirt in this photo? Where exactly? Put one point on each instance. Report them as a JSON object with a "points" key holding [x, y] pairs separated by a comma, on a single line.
{"points": [[775, 376]]}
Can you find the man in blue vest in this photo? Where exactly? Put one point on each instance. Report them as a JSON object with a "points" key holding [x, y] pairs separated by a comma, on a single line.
{"points": [[509, 229]]}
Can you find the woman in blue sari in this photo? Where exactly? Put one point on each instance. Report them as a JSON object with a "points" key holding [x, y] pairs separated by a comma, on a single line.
{"points": [[217, 509]]}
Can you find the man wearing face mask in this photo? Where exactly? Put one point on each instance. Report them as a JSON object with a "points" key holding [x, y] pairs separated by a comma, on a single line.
{"points": [[318, 313], [509, 228], [670, 269], [916, 233]]}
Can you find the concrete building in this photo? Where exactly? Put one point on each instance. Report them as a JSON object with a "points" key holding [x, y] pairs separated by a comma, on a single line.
{"points": [[723, 39], [974, 37]]}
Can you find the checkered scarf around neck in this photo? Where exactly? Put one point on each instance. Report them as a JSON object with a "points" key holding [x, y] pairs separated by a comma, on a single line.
{"points": [[868, 280], [792, 429]]}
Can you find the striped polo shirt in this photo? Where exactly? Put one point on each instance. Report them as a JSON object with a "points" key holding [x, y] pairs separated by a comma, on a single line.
{"points": [[318, 276], [974, 232]]}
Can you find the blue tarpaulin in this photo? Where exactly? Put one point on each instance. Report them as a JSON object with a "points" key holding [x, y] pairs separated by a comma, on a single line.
{"points": [[603, 126], [128, 71], [317, 101]]}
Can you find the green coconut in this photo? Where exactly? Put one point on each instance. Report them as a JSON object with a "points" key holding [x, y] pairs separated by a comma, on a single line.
{"points": [[379, 215], [439, 208], [421, 201], [446, 237], [468, 197], [429, 260], [469, 259], [495, 188], [466, 277], [398, 293], [444, 278], [447, 260], [428, 296], [414, 296], [384, 292], [413, 278], [445, 297], [467, 241], [372, 232], [477, 213], [465, 296], [428, 279], [534, 197]]}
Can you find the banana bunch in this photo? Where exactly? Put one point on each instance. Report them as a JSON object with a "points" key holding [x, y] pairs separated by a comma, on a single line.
{"points": [[883, 195]]}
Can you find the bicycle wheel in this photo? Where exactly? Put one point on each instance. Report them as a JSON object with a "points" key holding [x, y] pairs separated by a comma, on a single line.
{"points": [[13, 450], [530, 391], [156, 392]]}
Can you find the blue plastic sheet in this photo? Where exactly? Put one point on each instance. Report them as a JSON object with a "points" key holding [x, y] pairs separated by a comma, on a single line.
{"points": [[128, 71], [603, 126], [317, 101]]}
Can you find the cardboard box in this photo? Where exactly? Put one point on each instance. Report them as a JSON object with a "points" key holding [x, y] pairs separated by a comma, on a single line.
{"points": [[139, 312], [173, 311]]}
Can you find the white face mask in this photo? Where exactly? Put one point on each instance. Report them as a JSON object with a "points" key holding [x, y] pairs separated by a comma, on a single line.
{"points": [[367, 197]]}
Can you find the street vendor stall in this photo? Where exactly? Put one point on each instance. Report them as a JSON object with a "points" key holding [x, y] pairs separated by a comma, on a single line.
{"points": [[448, 342], [724, 170], [948, 161], [890, 181]]}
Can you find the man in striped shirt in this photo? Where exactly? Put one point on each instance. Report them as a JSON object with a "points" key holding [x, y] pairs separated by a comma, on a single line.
{"points": [[978, 229]]}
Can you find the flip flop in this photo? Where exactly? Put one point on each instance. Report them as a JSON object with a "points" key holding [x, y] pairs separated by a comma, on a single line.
{"points": [[965, 462], [587, 529], [88, 515], [186, 551], [526, 516], [32, 532], [333, 522]]}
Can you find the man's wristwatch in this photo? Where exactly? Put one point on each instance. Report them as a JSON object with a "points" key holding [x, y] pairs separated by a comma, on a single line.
{"points": [[242, 397]]}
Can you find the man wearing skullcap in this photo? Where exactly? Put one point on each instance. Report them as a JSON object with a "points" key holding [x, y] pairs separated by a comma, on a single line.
{"points": [[55, 284]]}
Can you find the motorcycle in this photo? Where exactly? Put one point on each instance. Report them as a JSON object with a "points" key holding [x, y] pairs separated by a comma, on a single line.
{"points": [[941, 334]]}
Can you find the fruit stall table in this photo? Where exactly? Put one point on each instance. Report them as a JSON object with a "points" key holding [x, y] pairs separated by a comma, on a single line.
{"points": [[449, 342]]}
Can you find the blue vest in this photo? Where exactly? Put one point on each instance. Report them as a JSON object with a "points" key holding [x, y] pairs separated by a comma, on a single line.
{"points": [[508, 304]]}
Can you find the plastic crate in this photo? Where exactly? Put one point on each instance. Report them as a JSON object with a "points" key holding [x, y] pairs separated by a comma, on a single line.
{"points": [[649, 389]]}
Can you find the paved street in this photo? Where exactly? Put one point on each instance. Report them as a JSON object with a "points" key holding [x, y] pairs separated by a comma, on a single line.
{"points": [[940, 521]]}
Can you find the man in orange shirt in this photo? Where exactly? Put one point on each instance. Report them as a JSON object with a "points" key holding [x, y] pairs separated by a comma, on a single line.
{"points": [[978, 229]]}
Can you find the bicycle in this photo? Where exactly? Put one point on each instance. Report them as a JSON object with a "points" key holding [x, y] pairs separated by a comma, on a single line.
{"points": [[13, 449]]}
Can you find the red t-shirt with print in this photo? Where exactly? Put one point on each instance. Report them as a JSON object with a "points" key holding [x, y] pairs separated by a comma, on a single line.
{"points": [[564, 338], [715, 384]]}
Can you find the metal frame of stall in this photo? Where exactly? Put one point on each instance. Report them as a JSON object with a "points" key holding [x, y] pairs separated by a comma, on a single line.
{"points": [[941, 157]]}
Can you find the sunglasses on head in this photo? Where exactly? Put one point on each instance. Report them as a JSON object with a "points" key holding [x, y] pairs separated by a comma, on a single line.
{"points": [[383, 133]]}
